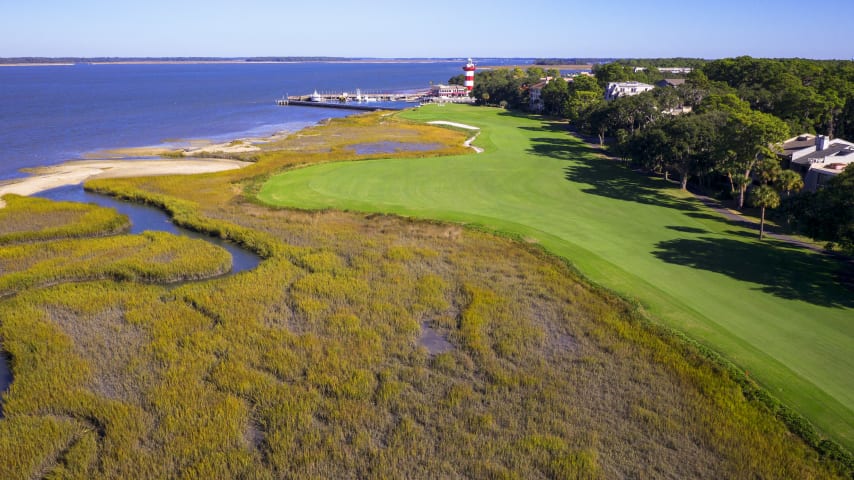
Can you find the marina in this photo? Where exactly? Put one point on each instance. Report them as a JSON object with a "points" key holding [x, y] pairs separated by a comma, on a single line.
{"points": [[378, 100], [372, 102]]}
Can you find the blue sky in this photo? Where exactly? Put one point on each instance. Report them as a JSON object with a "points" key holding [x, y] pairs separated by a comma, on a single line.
{"points": [[434, 28]]}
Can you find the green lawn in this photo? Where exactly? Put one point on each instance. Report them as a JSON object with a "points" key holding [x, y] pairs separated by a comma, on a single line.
{"points": [[770, 308]]}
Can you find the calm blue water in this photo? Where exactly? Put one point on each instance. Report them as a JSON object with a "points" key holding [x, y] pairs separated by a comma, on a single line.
{"points": [[52, 114]]}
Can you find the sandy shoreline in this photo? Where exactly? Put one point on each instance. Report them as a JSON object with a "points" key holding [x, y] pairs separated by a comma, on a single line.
{"points": [[78, 171], [138, 162]]}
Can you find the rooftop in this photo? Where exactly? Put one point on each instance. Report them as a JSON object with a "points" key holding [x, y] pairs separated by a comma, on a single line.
{"points": [[834, 151], [798, 143]]}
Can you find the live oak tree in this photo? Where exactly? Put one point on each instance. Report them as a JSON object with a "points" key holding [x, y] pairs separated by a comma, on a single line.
{"points": [[555, 97], [748, 139], [809, 95]]}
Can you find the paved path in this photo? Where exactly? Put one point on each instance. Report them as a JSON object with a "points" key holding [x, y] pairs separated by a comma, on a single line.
{"points": [[737, 217]]}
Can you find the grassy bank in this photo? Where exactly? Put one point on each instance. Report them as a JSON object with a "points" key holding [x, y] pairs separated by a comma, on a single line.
{"points": [[28, 219], [153, 257], [313, 365], [773, 309]]}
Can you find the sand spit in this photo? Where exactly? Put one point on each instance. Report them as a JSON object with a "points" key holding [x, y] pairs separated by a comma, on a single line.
{"points": [[72, 173]]}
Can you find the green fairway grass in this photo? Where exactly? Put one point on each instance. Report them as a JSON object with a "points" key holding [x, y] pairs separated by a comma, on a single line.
{"points": [[771, 308]]}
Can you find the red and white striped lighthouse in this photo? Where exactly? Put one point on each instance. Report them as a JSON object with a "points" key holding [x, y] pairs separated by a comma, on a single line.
{"points": [[469, 68]]}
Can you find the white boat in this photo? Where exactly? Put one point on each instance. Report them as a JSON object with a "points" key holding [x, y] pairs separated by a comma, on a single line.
{"points": [[315, 97]]}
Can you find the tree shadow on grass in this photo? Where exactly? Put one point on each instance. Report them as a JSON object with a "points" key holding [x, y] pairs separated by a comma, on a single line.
{"points": [[729, 221], [548, 127], [680, 228], [785, 272], [606, 178]]}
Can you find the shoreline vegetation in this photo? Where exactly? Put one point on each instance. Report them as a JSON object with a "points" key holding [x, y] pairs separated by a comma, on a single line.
{"points": [[310, 365]]}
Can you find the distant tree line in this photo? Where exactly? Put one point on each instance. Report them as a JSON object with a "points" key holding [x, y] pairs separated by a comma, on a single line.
{"points": [[809, 95], [300, 59], [38, 60], [42, 60], [664, 62], [716, 130], [571, 61]]}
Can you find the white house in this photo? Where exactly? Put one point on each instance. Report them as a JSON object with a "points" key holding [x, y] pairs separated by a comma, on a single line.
{"points": [[818, 158], [625, 89]]}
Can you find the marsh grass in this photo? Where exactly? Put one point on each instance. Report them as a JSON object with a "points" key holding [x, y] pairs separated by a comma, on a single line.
{"points": [[153, 257], [309, 366], [27, 219]]}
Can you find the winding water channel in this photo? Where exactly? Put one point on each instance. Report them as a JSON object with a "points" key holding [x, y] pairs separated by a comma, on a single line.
{"points": [[142, 218]]}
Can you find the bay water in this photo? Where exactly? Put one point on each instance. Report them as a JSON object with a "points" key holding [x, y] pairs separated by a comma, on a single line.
{"points": [[51, 114]]}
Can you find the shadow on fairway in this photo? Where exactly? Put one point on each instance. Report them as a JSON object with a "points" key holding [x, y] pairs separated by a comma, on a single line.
{"points": [[607, 178], [548, 127], [682, 229], [779, 270], [731, 221]]}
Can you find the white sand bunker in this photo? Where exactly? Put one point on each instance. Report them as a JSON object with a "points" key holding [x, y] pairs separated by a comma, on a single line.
{"points": [[461, 125], [453, 124]]}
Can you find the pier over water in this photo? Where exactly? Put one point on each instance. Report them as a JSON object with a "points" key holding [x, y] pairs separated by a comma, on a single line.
{"points": [[368, 101]]}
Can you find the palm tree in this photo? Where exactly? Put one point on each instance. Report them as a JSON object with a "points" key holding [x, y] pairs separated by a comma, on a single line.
{"points": [[764, 197], [789, 181]]}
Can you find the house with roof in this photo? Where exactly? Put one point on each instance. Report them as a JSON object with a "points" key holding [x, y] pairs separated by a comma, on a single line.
{"points": [[535, 95], [616, 90], [670, 82], [448, 91], [817, 158]]}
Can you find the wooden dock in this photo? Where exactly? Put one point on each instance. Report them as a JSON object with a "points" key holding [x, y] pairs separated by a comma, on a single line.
{"points": [[368, 101], [367, 107]]}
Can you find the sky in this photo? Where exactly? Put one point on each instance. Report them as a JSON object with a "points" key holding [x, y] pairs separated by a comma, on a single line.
{"points": [[435, 28]]}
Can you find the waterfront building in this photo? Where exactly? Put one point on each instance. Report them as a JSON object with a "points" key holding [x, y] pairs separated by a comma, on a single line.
{"points": [[449, 91]]}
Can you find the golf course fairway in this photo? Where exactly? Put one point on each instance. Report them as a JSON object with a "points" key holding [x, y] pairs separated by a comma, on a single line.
{"points": [[771, 308]]}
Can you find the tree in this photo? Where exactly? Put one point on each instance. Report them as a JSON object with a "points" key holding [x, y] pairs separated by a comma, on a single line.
{"points": [[556, 98], [748, 139], [598, 119], [584, 92], [584, 83], [809, 95], [764, 196], [828, 214], [692, 143], [789, 181], [648, 148], [611, 72]]}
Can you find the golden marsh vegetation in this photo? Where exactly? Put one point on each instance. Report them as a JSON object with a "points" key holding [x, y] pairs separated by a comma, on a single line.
{"points": [[312, 365]]}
